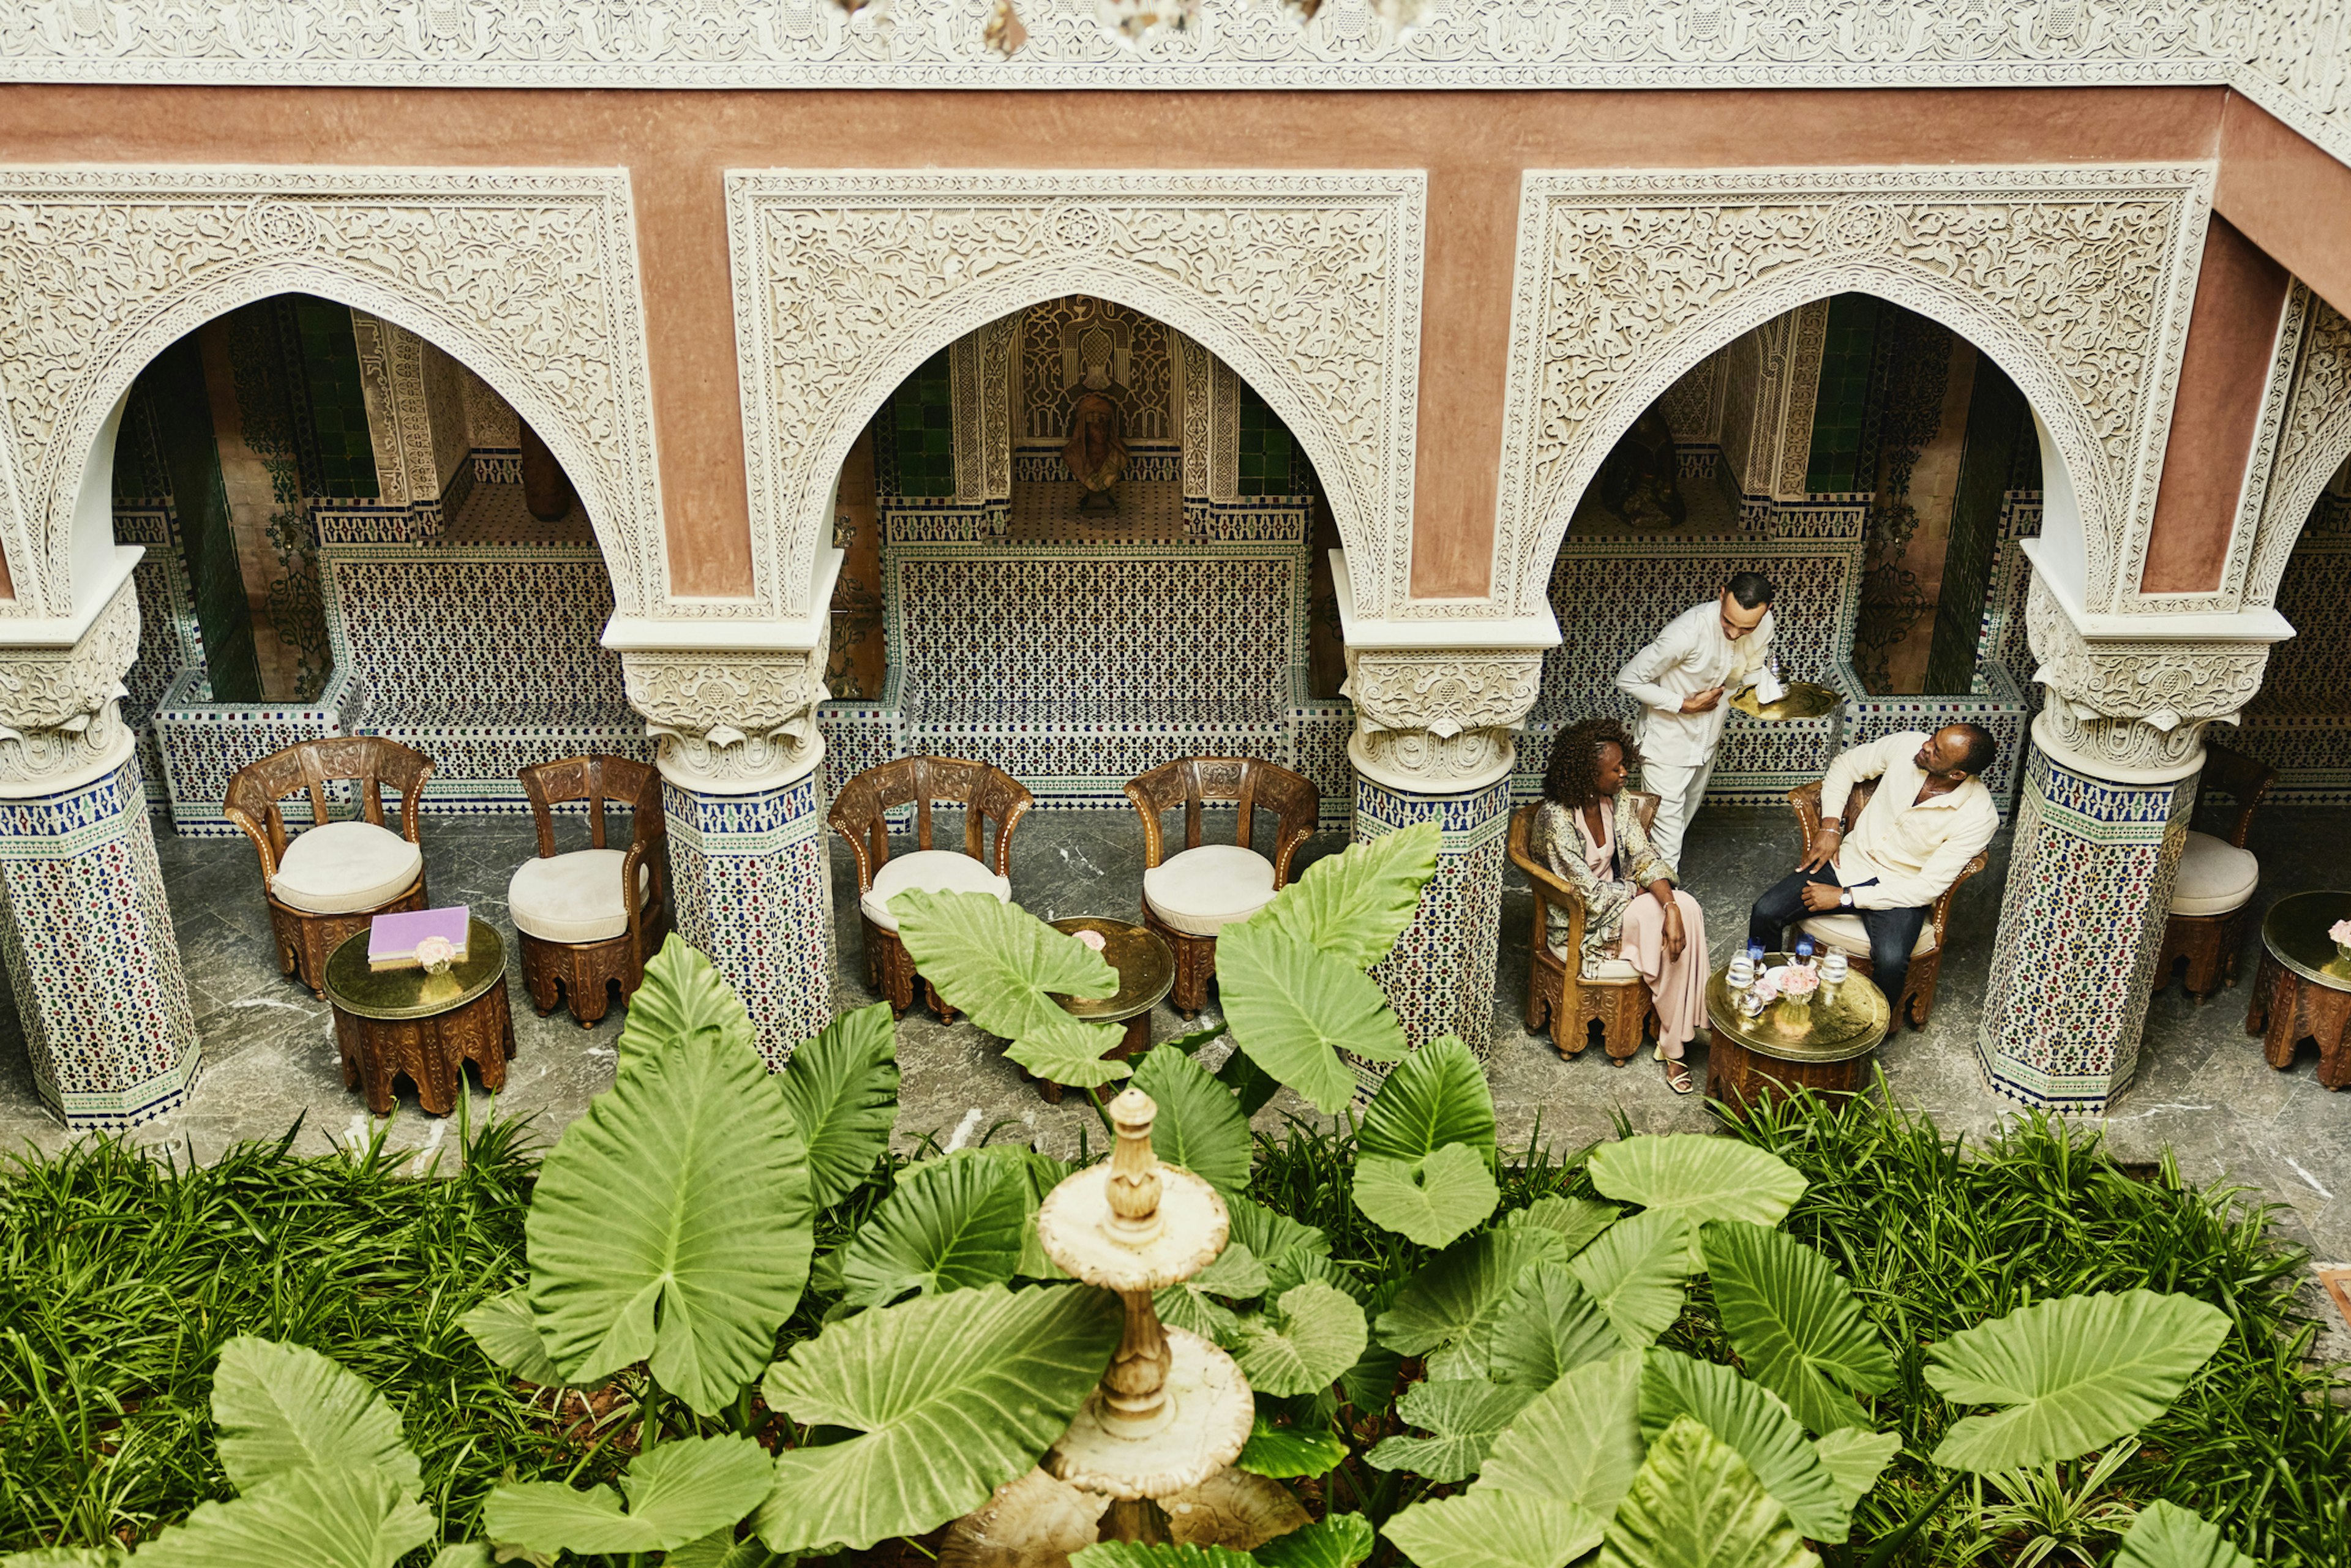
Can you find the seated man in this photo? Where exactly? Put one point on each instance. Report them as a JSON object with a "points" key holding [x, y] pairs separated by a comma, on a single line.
{"points": [[1931, 816]]}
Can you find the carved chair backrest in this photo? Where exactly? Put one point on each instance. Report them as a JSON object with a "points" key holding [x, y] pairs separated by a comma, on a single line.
{"points": [[987, 793], [369, 761], [2244, 779], [1249, 782], [596, 779]]}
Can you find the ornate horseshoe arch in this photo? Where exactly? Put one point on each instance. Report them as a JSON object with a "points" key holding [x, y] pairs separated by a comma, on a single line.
{"points": [[2313, 440], [1308, 285], [2076, 281], [530, 278]]}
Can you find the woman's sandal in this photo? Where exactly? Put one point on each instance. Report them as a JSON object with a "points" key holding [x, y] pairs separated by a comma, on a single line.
{"points": [[1678, 1076]]}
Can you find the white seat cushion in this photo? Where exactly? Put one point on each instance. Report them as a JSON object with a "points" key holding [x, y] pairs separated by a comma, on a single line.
{"points": [[1610, 967], [2215, 876], [929, 871], [573, 897], [1847, 932], [339, 868], [1202, 891]]}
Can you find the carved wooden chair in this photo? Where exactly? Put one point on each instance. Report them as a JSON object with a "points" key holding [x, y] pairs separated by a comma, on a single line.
{"points": [[2214, 894], [1189, 897], [581, 931], [331, 879], [1845, 932], [1558, 991], [861, 814]]}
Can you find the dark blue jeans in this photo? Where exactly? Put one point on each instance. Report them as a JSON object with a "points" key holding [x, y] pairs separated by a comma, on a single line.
{"points": [[1891, 932]]}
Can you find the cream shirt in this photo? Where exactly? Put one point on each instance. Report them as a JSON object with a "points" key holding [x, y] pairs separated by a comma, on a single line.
{"points": [[1912, 851], [1690, 655]]}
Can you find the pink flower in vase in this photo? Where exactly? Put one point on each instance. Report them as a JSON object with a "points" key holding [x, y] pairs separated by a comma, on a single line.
{"points": [[1799, 981], [2341, 932], [435, 954], [1093, 939]]}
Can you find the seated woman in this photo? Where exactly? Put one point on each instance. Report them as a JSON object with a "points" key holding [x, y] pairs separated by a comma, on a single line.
{"points": [[1589, 832]]}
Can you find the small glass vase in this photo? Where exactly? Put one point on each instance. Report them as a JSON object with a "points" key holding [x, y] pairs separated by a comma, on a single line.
{"points": [[1795, 1013], [2343, 953]]}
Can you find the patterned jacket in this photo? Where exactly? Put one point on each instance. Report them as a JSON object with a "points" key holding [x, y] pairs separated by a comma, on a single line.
{"points": [[1560, 843]]}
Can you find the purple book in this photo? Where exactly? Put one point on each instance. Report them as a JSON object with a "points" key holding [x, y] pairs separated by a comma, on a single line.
{"points": [[392, 938]]}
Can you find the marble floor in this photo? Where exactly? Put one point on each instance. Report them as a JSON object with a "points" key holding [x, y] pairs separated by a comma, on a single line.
{"points": [[2202, 1088]]}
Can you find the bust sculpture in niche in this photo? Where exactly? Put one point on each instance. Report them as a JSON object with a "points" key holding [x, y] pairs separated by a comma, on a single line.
{"points": [[1639, 481], [1095, 452]]}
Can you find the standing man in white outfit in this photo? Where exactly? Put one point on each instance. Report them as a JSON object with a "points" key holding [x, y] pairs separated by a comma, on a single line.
{"points": [[1705, 653]]}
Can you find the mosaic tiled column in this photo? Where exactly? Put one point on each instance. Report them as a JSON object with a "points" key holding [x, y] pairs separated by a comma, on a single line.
{"points": [[740, 781], [2109, 782], [1433, 743], [85, 929]]}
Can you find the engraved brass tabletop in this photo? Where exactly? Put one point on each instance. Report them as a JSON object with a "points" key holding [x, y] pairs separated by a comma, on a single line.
{"points": [[405, 1023], [2295, 932], [1803, 699], [1146, 969], [1849, 1024]]}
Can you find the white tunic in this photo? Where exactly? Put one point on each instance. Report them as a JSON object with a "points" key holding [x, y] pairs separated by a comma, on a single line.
{"points": [[1904, 851], [1690, 655]]}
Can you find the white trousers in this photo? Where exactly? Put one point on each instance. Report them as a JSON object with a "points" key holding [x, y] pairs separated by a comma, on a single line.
{"points": [[1680, 787]]}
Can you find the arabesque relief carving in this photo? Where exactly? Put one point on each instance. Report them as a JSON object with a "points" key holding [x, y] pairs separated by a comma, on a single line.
{"points": [[2312, 436], [2076, 280], [1439, 722], [61, 708], [730, 724], [2136, 709]]}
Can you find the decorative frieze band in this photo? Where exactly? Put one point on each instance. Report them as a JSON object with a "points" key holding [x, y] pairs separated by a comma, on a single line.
{"points": [[1439, 722], [729, 723]]}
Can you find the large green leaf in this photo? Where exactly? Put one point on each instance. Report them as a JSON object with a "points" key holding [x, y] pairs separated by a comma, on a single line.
{"points": [[1462, 1416], [1453, 1303], [1301, 1342], [1293, 1009], [842, 1088], [1272, 1236], [1435, 1096], [1494, 1530], [1550, 1326], [678, 1491], [683, 998], [719, 1549], [1751, 1419], [1696, 1505], [1635, 1272], [950, 1397], [2165, 1535], [996, 961], [2076, 1372], [672, 1223], [1334, 1541], [283, 1408], [507, 1329], [1434, 1200], [1234, 1272], [1066, 1050], [1794, 1324], [319, 1519], [1578, 1442], [1353, 905], [1697, 1176], [1856, 1458], [1284, 1453], [948, 1225], [1158, 1555], [1576, 1221], [1199, 1125]]}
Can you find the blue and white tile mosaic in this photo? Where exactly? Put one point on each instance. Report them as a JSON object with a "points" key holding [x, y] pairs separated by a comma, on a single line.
{"points": [[753, 890], [2300, 722], [1440, 976]]}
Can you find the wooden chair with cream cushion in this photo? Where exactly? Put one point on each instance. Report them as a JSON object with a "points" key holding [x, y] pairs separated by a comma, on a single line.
{"points": [[582, 933], [1613, 995], [1189, 897], [1845, 932], [861, 814], [329, 881], [2205, 925]]}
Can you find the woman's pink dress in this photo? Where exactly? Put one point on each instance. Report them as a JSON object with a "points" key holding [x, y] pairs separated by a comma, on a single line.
{"points": [[1677, 986]]}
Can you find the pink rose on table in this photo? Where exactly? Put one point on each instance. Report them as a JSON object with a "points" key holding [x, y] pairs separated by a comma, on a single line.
{"points": [[1799, 981], [435, 954], [2340, 931], [1093, 939]]}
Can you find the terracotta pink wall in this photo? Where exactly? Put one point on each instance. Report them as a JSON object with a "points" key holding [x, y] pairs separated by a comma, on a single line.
{"points": [[1475, 147]]}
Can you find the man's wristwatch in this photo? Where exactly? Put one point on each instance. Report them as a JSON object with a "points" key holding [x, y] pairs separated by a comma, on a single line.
{"points": [[1844, 898]]}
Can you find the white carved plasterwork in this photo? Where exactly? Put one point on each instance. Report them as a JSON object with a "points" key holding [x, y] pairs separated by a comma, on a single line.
{"points": [[2311, 435], [1801, 400], [1441, 721], [728, 723], [2133, 709], [2076, 280], [530, 277], [61, 708], [400, 415], [1306, 283], [999, 364]]}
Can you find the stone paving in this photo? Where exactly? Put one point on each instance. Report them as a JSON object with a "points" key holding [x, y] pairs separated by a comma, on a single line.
{"points": [[2202, 1088]]}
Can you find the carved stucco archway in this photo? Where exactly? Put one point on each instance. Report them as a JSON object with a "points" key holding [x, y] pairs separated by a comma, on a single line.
{"points": [[2313, 437], [2076, 282], [1308, 285], [529, 279]]}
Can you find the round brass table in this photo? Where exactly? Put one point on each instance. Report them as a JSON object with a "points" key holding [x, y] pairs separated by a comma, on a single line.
{"points": [[393, 1023], [1752, 1059], [2304, 990], [1147, 969], [1802, 699]]}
